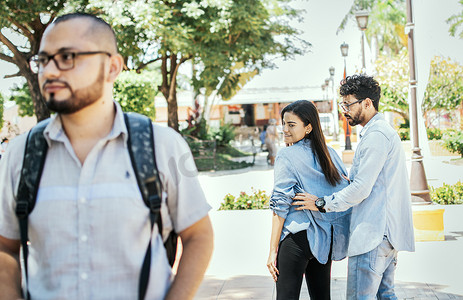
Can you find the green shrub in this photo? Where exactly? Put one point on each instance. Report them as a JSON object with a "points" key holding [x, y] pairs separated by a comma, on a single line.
{"points": [[198, 129], [448, 194], [404, 134], [453, 141], [135, 92], [22, 97], [257, 200], [224, 134], [434, 133]]}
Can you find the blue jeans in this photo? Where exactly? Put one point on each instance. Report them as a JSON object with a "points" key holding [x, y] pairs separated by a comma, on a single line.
{"points": [[371, 275]]}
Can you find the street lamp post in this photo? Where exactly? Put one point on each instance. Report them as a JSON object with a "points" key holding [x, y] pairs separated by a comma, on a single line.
{"points": [[323, 89], [334, 106], [344, 52], [418, 183], [362, 22]]}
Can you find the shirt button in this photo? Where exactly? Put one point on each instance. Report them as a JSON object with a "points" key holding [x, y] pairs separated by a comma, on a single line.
{"points": [[84, 238], [84, 276], [83, 200]]}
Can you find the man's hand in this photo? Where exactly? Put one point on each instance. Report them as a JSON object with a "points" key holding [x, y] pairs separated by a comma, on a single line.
{"points": [[197, 241], [305, 201], [10, 274]]}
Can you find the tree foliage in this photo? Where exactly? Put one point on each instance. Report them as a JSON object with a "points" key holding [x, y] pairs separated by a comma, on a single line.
{"points": [[215, 35], [386, 23], [392, 75], [444, 89], [136, 91], [229, 41], [21, 95], [456, 22]]}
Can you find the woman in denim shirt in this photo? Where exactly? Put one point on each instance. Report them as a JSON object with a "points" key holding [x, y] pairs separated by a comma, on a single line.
{"points": [[304, 241]]}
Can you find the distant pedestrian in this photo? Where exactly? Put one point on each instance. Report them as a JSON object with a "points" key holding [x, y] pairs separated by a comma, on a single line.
{"points": [[305, 242], [271, 137], [262, 137], [379, 195]]}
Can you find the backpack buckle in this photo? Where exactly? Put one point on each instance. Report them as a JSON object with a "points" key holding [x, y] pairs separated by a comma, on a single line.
{"points": [[22, 209], [154, 203]]}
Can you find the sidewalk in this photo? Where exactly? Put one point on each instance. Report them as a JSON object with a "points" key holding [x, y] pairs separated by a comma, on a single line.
{"points": [[238, 267]]}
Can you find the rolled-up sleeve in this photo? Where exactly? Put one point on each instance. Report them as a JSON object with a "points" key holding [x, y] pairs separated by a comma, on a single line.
{"points": [[283, 191], [372, 158]]}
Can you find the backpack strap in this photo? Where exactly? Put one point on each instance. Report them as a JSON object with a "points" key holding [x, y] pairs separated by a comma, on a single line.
{"points": [[31, 172], [140, 144], [141, 150]]}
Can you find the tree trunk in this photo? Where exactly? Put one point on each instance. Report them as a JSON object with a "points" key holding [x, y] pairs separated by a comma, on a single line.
{"points": [[41, 110], [172, 111], [169, 88]]}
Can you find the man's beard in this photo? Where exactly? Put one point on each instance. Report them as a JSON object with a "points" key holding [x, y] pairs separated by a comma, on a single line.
{"points": [[79, 98], [354, 120]]}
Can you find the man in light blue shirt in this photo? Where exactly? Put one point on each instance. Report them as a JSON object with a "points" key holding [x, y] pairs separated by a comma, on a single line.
{"points": [[379, 195]]}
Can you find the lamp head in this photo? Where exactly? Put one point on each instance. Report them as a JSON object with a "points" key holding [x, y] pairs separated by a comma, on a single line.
{"points": [[362, 19], [331, 71], [344, 49]]}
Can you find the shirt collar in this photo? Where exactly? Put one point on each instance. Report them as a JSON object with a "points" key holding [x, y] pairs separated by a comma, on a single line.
{"points": [[54, 130], [376, 117]]}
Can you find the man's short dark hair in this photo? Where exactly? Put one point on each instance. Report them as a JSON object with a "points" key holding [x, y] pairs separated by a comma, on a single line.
{"points": [[361, 86], [99, 24]]}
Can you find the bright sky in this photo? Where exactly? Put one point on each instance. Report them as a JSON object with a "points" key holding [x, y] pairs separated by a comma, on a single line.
{"points": [[321, 21]]}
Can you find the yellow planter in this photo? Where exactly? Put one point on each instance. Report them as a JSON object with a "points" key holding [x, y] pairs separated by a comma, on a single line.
{"points": [[348, 156], [428, 222]]}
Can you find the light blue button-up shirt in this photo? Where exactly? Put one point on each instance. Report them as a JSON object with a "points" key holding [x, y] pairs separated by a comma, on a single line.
{"points": [[298, 170], [379, 191]]}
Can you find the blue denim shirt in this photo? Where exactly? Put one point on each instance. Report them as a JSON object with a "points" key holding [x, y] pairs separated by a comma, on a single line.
{"points": [[297, 170], [379, 191]]}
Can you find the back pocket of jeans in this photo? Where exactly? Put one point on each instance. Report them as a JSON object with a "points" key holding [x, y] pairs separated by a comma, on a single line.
{"points": [[380, 257]]}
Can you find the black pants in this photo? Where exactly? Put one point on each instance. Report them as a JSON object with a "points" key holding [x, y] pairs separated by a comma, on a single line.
{"points": [[295, 259]]}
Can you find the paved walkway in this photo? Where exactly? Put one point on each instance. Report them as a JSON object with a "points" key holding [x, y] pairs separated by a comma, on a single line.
{"points": [[238, 267]]}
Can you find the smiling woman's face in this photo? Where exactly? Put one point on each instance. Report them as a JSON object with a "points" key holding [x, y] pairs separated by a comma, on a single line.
{"points": [[294, 129]]}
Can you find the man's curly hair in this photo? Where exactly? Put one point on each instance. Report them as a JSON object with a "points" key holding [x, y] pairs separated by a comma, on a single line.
{"points": [[361, 86]]}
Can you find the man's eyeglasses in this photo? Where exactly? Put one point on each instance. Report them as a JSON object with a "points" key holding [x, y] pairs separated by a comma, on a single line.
{"points": [[345, 107], [63, 60]]}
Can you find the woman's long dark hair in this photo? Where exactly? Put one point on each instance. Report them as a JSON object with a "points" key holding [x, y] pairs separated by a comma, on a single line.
{"points": [[308, 114]]}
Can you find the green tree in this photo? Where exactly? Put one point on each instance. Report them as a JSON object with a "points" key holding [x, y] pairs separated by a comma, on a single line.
{"points": [[214, 35], [136, 91], [23, 23], [392, 75], [386, 23], [445, 87], [456, 22], [443, 92]]}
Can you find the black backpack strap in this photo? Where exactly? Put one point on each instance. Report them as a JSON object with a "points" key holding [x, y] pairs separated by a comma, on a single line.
{"points": [[140, 144], [31, 172]]}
